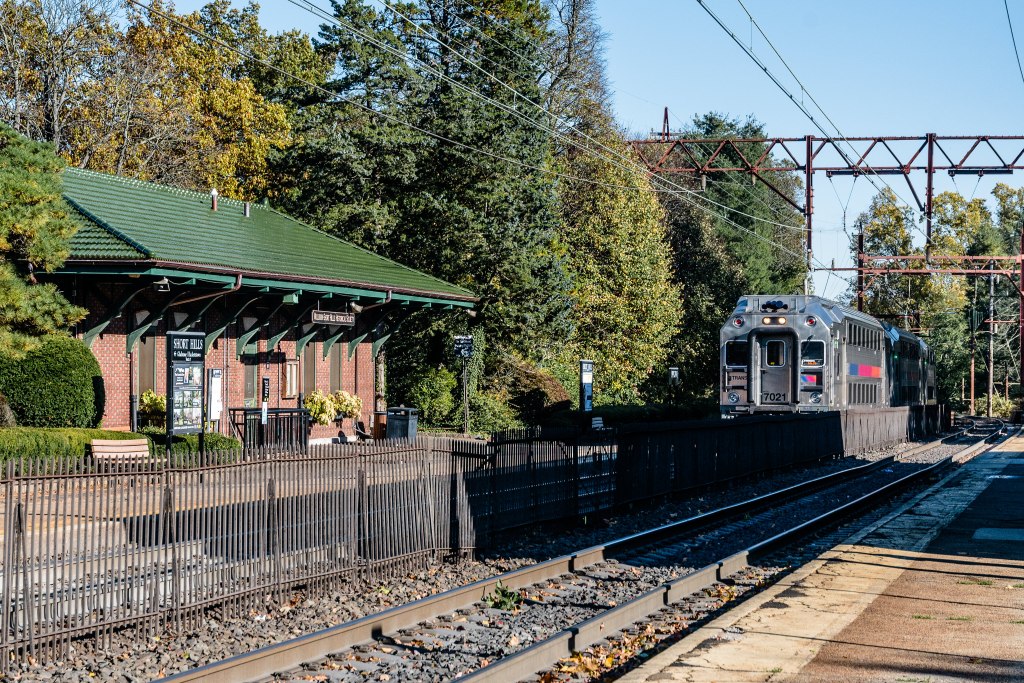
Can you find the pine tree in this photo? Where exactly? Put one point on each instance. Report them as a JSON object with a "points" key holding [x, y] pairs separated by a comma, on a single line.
{"points": [[35, 228]]}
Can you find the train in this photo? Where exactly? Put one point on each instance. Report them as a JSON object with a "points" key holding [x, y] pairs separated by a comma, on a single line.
{"points": [[805, 354]]}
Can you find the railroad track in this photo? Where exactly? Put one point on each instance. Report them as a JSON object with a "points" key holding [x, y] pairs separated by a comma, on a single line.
{"points": [[573, 601]]}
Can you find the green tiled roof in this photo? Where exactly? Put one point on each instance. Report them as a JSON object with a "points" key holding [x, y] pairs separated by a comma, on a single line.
{"points": [[135, 220]]}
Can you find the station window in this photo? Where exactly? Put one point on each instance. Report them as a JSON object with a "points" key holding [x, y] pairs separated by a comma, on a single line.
{"points": [[737, 354], [775, 353], [290, 379], [335, 366], [812, 354]]}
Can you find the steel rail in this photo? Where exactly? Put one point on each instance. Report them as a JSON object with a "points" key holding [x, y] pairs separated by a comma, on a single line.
{"points": [[529, 661], [264, 662]]}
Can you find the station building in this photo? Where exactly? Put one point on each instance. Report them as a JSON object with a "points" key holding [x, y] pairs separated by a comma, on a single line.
{"points": [[278, 301]]}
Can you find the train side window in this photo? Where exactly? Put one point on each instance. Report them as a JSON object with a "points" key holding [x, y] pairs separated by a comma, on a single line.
{"points": [[775, 353], [737, 354], [812, 354]]}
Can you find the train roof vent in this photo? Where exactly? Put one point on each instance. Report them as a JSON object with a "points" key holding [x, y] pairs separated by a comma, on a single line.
{"points": [[774, 306]]}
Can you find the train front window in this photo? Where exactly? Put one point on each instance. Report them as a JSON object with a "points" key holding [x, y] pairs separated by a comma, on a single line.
{"points": [[737, 354], [775, 353], [812, 354]]}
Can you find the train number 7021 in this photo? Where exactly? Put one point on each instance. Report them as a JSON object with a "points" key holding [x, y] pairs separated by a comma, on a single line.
{"points": [[773, 396]]}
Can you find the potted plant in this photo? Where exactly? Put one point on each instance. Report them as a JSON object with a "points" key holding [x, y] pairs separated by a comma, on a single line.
{"points": [[347, 406], [321, 407]]}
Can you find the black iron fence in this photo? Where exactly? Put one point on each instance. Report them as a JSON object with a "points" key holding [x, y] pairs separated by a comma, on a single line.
{"points": [[285, 428], [87, 550]]}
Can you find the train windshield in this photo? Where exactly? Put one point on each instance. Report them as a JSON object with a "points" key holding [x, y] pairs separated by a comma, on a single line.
{"points": [[775, 353], [812, 354], [737, 354]]}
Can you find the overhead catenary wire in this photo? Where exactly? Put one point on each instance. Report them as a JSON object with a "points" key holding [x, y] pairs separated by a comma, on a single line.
{"points": [[799, 104], [333, 96], [1013, 38], [620, 160]]}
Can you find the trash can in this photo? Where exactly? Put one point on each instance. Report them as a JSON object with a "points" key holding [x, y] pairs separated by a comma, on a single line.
{"points": [[380, 424], [402, 423]]}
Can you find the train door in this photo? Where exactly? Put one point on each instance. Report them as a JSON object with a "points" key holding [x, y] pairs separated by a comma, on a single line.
{"points": [[775, 356]]}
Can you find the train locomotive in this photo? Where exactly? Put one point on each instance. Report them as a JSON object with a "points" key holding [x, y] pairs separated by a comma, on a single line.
{"points": [[797, 354]]}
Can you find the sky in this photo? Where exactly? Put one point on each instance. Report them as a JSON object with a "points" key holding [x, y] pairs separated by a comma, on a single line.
{"points": [[875, 67]]}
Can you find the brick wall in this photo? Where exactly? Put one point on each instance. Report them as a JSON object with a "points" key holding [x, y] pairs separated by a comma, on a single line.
{"points": [[120, 371]]}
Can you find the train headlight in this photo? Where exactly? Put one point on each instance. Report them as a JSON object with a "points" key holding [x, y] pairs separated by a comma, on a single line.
{"points": [[810, 321], [816, 397], [734, 397], [737, 322], [766, 321], [780, 321]]}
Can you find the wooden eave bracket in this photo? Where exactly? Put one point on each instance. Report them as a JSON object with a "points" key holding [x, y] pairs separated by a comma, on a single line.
{"points": [[133, 336], [244, 338], [112, 313], [228, 320], [287, 327], [194, 317], [300, 343], [366, 323]]}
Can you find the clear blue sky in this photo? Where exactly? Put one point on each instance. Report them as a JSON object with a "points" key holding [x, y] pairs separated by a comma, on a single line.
{"points": [[876, 67]]}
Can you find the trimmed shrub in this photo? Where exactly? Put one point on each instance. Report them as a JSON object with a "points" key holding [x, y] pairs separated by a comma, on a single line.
{"points": [[189, 443], [39, 443], [57, 384], [533, 391], [488, 414], [434, 394]]}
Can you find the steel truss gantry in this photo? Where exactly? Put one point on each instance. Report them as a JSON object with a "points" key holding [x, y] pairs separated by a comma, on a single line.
{"points": [[906, 156]]}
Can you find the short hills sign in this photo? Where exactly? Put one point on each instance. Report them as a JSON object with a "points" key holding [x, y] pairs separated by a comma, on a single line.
{"points": [[334, 318]]}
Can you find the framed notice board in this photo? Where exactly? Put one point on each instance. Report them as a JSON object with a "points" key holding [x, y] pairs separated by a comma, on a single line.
{"points": [[186, 383]]}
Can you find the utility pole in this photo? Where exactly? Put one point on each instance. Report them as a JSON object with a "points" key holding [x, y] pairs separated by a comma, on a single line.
{"points": [[974, 324], [991, 336]]}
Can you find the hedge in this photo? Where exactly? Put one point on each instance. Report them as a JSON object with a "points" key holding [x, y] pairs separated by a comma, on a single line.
{"points": [[39, 443], [57, 384], [189, 443]]}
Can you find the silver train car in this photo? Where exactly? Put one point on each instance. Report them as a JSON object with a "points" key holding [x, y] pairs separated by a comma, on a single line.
{"points": [[794, 354]]}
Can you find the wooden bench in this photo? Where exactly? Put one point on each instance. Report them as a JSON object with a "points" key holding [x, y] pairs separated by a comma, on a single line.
{"points": [[121, 454]]}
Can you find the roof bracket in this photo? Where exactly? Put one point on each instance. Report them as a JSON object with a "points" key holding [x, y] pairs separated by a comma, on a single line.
{"points": [[113, 312], [229, 318], [194, 317], [152, 319], [329, 341], [300, 343], [244, 338], [287, 327]]}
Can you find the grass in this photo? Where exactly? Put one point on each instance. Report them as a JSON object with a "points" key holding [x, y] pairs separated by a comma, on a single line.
{"points": [[975, 582], [961, 618], [1017, 585], [922, 616]]}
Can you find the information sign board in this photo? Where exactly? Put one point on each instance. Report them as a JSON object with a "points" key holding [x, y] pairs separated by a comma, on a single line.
{"points": [[586, 385], [334, 318], [186, 358], [464, 346]]}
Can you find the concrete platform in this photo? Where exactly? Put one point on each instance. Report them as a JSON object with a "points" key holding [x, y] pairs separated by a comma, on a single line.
{"points": [[931, 594]]}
